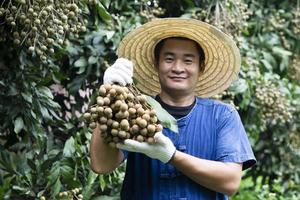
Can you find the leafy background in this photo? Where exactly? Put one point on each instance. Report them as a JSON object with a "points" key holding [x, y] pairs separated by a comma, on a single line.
{"points": [[44, 146]]}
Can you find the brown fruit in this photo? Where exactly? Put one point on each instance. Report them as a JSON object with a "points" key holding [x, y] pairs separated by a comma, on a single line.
{"points": [[159, 128], [140, 138], [153, 119], [135, 129], [122, 134], [151, 128], [142, 123], [107, 111], [124, 124], [100, 101], [146, 117], [102, 91], [106, 101], [92, 125], [103, 127], [103, 120], [115, 125], [150, 140], [132, 111], [112, 92], [144, 132], [124, 107], [87, 116], [140, 111], [114, 132]]}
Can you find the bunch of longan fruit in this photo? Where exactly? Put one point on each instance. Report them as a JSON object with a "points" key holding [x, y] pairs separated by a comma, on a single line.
{"points": [[40, 25], [122, 113]]}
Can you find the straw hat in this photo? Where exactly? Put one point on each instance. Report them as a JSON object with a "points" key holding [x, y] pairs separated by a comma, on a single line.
{"points": [[222, 57]]}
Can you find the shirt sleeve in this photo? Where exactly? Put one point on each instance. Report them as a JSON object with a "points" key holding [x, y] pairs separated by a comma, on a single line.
{"points": [[232, 141]]}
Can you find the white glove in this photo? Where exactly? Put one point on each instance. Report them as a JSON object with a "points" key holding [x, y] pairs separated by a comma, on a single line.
{"points": [[163, 149], [120, 72]]}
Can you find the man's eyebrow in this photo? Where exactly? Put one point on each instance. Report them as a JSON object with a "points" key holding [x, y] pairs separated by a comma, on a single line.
{"points": [[168, 54], [185, 55]]}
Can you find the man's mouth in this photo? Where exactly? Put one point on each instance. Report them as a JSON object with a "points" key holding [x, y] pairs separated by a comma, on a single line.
{"points": [[177, 78]]}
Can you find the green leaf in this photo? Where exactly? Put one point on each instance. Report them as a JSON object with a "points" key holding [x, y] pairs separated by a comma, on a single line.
{"points": [[56, 188], [239, 86], [167, 120], [92, 60], [46, 91], [89, 186], [27, 97], [81, 62], [69, 148], [102, 12], [281, 52], [19, 124], [267, 64]]}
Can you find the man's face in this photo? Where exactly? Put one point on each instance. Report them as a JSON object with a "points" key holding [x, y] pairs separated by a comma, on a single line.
{"points": [[178, 66]]}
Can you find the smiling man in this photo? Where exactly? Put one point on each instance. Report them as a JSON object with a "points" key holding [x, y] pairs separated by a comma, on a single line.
{"points": [[182, 62]]}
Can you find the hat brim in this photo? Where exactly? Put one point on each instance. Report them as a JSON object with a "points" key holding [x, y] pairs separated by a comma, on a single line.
{"points": [[222, 57]]}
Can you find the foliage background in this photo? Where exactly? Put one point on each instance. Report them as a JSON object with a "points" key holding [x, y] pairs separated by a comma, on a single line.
{"points": [[44, 144]]}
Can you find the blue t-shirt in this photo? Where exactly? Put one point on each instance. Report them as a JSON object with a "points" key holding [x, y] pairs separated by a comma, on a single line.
{"points": [[212, 130]]}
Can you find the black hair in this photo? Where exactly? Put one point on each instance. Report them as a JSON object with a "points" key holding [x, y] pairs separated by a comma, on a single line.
{"points": [[158, 47]]}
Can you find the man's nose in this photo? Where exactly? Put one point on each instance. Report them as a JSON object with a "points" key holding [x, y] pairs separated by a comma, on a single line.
{"points": [[177, 66]]}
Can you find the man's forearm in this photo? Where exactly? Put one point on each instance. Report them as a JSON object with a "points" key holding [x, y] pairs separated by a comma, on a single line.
{"points": [[104, 158], [221, 177]]}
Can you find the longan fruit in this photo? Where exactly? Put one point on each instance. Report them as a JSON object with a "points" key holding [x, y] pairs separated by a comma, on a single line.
{"points": [[144, 131], [103, 120], [115, 125], [94, 115], [106, 101], [150, 140], [135, 129], [92, 125], [118, 103], [109, 122], [130, 97], [107, 111], [93, 110], [100, 101], [142, 123], [151, 128], [124, 107], [103, 127], [99, 109], [140, 138], [112, 92], [107, 86], [140, 111], [152, 113], [122, 134], [87, 116], [124, 124], [153, 119], [132, 111], [114, 132], [159, 128], [146, 117], [102, 91], [141, 99]]}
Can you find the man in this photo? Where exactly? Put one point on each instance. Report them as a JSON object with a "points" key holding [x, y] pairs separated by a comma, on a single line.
{"points": [[183, 61]]}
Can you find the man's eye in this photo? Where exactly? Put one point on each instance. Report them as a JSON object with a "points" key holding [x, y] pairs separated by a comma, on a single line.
{"points": [[168, 59], [188, 61]]}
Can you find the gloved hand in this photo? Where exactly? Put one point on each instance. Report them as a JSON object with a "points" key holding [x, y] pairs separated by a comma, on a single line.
{"points": [[163, 149], [120, 72]]}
